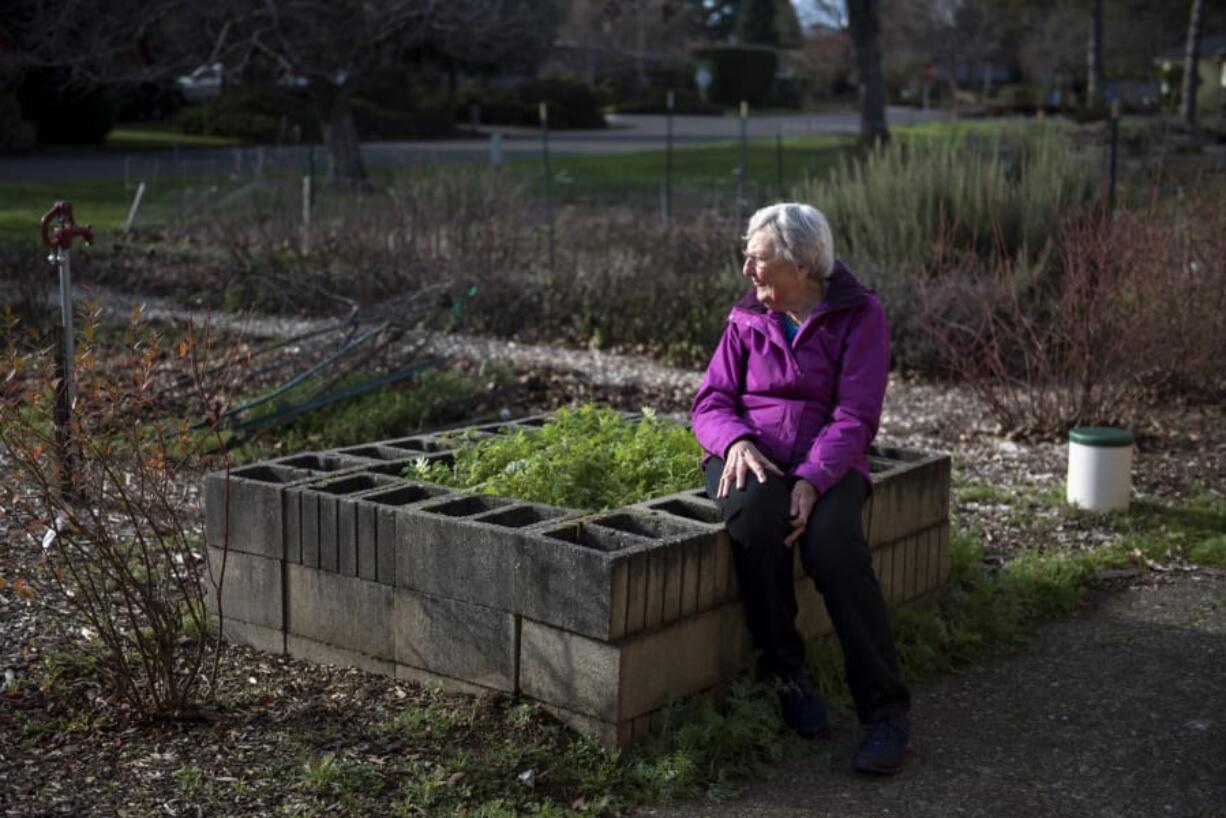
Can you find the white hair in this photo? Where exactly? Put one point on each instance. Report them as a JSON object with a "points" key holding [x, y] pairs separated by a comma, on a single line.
{"points": [[799, 233]]}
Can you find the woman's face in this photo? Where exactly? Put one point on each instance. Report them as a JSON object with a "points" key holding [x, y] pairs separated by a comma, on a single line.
{"points": [[779, 284]]}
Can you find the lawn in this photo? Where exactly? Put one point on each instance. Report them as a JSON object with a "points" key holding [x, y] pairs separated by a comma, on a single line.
{"points": [[160, 137], [697, 169]]}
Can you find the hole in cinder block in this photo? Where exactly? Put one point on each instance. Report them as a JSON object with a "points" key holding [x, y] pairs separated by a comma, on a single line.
{"points": [[703, 512], [403, 495], [643, 526], [468, 506], [393, 468], [877, 464], [315, 462], [520, 516], [596, 537], [373, 452], [350, 485], [269, 474], [893, 453], [414, 444]]}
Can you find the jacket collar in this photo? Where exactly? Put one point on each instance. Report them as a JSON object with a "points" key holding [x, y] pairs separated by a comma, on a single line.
{"points": [[843, 291]]}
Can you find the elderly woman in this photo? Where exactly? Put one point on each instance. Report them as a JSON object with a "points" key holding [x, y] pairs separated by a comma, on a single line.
{"points": [[788, 407]]}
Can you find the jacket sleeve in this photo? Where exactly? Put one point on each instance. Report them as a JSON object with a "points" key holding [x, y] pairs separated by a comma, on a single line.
{"points": [[716, 422], [860, 392]]}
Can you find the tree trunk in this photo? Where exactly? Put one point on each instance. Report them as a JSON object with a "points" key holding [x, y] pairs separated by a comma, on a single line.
{"points": [[1094, 57], [1191, 66], [865, 34], [340, 135]]}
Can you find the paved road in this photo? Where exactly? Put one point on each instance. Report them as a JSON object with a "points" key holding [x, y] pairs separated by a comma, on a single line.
{"points": [[629, 133], [1120, 711]]}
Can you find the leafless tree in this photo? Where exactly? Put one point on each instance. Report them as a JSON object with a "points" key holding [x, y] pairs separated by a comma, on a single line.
{"points": [[1094, 56], [1191, 64], [330, 43], [865, 25]]}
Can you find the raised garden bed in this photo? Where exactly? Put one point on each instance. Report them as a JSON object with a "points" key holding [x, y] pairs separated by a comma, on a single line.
{"points": [[604, 618]]}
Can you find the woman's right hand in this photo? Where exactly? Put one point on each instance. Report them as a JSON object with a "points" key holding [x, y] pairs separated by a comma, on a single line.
{"points": [[743, 457]]}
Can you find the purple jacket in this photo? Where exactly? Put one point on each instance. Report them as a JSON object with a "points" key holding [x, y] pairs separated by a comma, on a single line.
{"points": [[811, 407]]}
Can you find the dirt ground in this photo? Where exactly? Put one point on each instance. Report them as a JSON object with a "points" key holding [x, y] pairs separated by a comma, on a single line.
{"points": [[1119, 711]]}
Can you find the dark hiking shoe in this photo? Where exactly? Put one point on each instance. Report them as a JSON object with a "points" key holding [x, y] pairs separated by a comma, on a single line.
{"points": [[803, 710], [884, 747]]}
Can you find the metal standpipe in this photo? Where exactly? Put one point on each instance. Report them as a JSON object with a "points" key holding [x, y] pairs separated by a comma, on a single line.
{"points": [[59, 239]]}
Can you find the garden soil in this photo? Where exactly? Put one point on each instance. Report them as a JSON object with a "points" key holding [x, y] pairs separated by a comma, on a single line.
{"points": [[1118, 711]]}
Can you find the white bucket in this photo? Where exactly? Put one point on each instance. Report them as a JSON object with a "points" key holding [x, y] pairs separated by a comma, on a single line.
{"points": [[1100, 468]]}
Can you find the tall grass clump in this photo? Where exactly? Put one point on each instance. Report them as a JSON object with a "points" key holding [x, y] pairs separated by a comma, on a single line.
{"points": [[897, 213], [890, 209]]}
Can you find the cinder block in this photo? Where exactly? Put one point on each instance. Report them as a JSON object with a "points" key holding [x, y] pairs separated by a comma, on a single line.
{"points": [[444, 552], [722, 550], [342, 611], [438, 681], [657, 563], [377, 512], [329, 557], [636, 592], [578, 588], [898, 574], [347, 537], [915, 495], [943, 560], [291, 504], [385, 545], [367, 541], [248, 516], [238, 632], [622, 681], [607, 734], [301, 647], [309, 527], [468, 642], [251, 588], [674, 579], [923, 544]]}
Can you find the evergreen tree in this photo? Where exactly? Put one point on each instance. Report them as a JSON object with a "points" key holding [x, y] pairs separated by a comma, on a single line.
{"points": [[756, 25]]}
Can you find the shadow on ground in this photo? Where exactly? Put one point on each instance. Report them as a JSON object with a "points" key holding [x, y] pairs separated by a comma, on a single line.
{"points": [[1120, 711]]}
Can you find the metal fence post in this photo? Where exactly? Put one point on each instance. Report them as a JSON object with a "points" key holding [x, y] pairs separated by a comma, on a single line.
{"points": [[742, 168], [668, 159], [779, 159], [59, 239], [544, 115], [1115, 140]]}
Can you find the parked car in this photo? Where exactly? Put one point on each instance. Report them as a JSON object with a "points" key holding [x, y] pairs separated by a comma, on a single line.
{"points": [[202, 83]]}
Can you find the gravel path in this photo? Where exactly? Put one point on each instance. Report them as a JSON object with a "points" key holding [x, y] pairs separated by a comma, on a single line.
{"points": [[1181, 451], [1120, 711]]}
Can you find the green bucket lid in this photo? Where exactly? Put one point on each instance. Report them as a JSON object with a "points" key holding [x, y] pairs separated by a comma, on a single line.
{"points": [[1101, 436]]}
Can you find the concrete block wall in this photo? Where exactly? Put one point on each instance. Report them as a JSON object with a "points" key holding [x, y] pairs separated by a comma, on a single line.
{"points": [[603, 618]]}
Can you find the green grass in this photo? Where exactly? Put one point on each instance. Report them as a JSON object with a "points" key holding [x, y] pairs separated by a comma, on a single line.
{"points": [[696, 165], [161, 137], [104, 203]]}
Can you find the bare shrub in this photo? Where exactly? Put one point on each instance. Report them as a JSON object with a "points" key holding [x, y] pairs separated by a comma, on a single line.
{"points": [[1131, 310], [26, 280], [620, 277], [120, 541]]}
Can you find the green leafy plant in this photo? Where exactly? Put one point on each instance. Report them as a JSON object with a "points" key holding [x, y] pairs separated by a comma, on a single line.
{"points": [[586, 458]]}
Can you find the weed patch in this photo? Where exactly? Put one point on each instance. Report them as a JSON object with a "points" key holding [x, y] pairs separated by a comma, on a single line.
{"points": [[585, 458]]}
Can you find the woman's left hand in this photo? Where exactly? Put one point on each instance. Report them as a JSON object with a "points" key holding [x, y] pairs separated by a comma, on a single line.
{"points": [[804, 495]]}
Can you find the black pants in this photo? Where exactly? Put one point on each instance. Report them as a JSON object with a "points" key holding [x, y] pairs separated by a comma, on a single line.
{"points": [[835, 554]]}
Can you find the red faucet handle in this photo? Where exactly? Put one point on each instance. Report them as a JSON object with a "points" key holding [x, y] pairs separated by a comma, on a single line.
{"points": [[62, 235]]}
